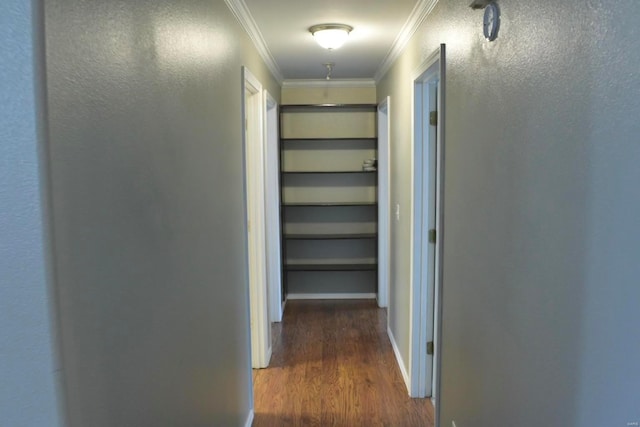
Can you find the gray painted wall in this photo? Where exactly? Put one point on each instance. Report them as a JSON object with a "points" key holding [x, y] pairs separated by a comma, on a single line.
{"points": [[542, 212], [148, 210], [27, 363]]}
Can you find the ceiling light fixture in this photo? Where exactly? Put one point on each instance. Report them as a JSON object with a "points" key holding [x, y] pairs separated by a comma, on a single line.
{"points": [[330, 36]]}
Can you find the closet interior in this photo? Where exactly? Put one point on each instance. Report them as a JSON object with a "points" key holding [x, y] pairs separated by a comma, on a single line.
{"points": [[328, 185]]}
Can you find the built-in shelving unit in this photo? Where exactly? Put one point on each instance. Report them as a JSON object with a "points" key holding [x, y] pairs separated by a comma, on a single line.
{"points": [[329, 214]]}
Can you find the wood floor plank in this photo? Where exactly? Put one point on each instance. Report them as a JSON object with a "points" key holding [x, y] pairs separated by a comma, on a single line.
{"points": [[333, 365]]}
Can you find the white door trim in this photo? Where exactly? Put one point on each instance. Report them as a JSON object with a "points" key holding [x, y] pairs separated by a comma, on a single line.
{"points": [[253, 144], [384, 199], [440, 222], [424, 282], [272, 207]]}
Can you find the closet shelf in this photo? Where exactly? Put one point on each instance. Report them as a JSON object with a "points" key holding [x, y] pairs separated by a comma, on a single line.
{"points": [[327, 204], [288, 107], [332, 267], [327, 172], [333, 138], [343, 236]]}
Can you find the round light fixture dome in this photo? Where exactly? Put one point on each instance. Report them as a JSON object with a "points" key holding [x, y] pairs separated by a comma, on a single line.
{"points": [[330, 36]]}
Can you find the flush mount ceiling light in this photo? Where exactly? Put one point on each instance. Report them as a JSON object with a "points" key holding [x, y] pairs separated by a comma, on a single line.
{"points": [[330, 36]]}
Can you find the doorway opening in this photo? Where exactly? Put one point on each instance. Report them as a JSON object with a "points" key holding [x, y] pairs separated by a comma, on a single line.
{"points": [[427, 225], [254, 137], [272, 194], [384, 201]]}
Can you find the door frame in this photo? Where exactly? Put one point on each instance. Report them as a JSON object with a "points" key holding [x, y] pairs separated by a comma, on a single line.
{"points": [[384, 200], [426, 287], [253, 137], [272, 207]]}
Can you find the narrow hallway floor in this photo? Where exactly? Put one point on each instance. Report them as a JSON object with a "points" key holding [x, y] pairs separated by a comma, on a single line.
{"points": [[333, 365]]}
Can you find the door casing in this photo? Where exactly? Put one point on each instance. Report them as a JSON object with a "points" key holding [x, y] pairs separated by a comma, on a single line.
{"points": [[253, 146], [272, 208], [427, 213], [384, 200]]}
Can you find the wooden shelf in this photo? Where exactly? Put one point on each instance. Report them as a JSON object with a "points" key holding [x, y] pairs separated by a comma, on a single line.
{"points": [[372, 107], [326, 204], [327, 172], [336, 138], [332, 267], [343, 236]]}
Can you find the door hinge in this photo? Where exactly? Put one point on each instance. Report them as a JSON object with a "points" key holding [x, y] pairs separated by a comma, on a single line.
{"points": [[432, 236], [430, 347], [433, 118]]}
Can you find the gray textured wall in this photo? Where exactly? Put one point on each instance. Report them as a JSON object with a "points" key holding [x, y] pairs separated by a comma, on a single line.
{"points": [[27, 363], [542, 212], [148, 210]]}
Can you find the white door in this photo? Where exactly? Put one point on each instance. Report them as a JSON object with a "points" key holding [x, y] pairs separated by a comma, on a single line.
{"points": [[429, 231], [254, 135], [427, 223]]}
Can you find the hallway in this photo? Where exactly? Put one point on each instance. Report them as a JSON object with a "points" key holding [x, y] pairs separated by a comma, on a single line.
{"points": [[125, 264], [333, 365]]}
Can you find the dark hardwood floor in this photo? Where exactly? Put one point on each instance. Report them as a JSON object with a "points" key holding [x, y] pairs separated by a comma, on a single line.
{"points": [[333, 365]]}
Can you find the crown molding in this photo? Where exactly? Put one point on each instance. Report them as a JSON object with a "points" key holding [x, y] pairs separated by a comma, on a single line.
{"points": [[311, 83], [421, 10], [243, 15]]}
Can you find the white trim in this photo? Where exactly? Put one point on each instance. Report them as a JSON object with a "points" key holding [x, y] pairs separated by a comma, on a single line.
{"points": [[324, 83], [440, 220], [270, 100], [424, 66], [250, 417], [422, 9], [330, 296], [384, 201], [253, 147], [401, 364], [272, 208], [269, 353], [419, 290], [243, 15]]}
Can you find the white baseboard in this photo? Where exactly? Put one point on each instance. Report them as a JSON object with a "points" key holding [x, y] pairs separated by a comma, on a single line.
{"points": [[401, 365], [330, 296], [269, 353], [249, 419]]}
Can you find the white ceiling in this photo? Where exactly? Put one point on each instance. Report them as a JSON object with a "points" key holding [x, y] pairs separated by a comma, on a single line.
{"points": [[376, 24]]}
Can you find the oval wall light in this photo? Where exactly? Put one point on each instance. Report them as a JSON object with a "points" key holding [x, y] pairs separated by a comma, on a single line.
{"points": [[330, 36]]}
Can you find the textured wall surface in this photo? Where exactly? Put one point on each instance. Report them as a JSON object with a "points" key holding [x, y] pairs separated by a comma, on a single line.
{"points": [[27, 383], [148, 210], [542, 212]]}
